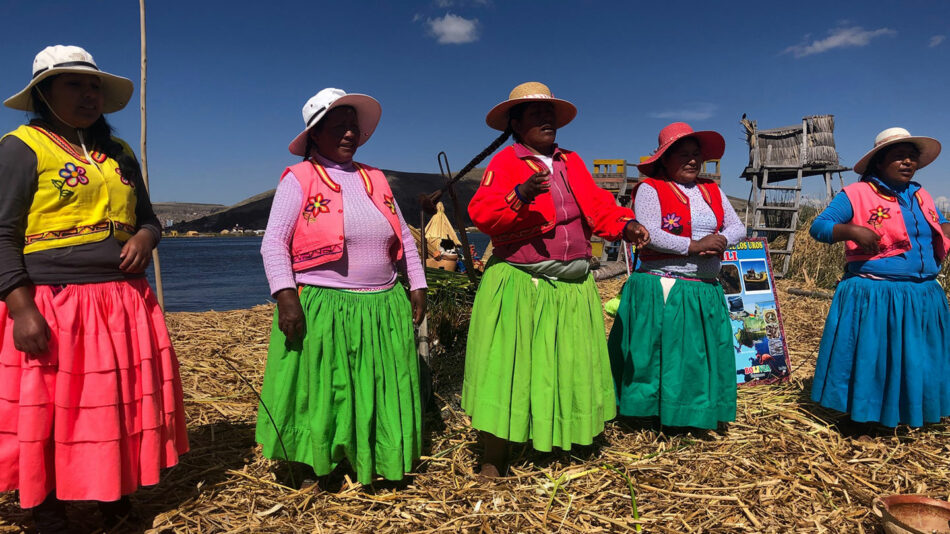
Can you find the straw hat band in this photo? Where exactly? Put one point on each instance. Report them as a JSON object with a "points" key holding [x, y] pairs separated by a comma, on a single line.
{"points": [[66, 65]]}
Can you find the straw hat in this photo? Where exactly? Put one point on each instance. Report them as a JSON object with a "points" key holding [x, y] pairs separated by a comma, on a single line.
{"points": [[928, 146], [711, 144], [60, 59], [564, 111], [367, 109]]}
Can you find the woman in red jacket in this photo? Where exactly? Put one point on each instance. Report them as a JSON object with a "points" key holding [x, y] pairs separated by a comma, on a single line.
{"points": [[536, 366]]}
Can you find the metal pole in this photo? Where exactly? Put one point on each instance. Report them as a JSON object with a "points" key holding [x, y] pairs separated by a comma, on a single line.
{"points": [[158, 268]]}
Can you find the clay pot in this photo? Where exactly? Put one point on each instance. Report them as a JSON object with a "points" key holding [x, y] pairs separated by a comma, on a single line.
{"points": [[912, 514]]}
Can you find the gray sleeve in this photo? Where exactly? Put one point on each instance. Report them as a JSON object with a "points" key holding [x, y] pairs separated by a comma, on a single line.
{"points": [[144, 215], [17, 187]]}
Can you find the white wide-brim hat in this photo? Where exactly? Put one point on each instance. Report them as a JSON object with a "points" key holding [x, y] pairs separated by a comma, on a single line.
{"points": [[60, 59], [564, 111], [928, 146], [367, 109]]}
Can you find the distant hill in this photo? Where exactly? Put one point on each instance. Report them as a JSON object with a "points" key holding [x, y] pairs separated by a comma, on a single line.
{"points": [[183, 211], [252, 213]]}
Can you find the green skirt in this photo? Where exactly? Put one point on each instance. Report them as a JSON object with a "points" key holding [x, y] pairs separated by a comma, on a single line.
{"points": [[536, 366], [348, 389], [675, 359]]}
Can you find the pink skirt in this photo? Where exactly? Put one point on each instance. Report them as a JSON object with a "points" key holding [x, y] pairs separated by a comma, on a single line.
{"points": [[100, 413]]}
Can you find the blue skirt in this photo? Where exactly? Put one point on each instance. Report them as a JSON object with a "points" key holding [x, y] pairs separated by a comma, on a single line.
{"points": [[885, 352]]}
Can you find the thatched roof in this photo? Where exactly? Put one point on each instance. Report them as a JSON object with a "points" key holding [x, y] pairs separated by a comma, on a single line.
{"points": [[809, 144]]}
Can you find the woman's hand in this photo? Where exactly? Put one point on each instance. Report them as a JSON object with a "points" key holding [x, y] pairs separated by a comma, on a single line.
{"points": [[711, 245], [865, 238], [534, 186], [417, 297], [31, 333], [289, 313], [637, 234], [137, 252]]}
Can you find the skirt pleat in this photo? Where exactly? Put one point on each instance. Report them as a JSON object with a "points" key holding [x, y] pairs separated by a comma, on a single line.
{"points": [[673, 359], [348, 389], [885, 352], [101, 413], [536, 365]]}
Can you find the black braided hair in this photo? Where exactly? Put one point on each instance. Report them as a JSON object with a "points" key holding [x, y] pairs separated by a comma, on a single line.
{"points": [[306, 151], [99, 136], [485, 153]]}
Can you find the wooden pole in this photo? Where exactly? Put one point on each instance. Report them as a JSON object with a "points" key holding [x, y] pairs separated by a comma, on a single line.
{"points": [[158, 268]]}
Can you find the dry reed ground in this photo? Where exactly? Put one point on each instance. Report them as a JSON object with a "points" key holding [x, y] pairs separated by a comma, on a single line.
{"points": [[785, 465]]}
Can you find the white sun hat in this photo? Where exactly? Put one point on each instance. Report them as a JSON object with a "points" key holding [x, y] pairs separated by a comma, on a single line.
{"points": [[367, 109], [60, 59], [928, 146]]}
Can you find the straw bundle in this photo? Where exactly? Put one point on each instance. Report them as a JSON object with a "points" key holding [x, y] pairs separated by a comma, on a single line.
{"points": [[782, 147], [785, 465]]}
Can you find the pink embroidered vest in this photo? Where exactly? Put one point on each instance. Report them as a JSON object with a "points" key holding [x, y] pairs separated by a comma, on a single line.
{"points": [[875, 209], [319, 234]]}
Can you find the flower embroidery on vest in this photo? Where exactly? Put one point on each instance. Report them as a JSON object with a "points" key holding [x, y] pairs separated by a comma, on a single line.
{"points": [[878, 215], [122, 178], [72, 176], [671, 223], [388, 200], [315, 206]]}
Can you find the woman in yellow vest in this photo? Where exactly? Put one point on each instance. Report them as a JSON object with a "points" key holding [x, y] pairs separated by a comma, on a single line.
{"points": [[90, 396]]}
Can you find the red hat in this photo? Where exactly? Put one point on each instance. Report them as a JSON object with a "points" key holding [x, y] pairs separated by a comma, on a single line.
{"points": [[711, 144]]}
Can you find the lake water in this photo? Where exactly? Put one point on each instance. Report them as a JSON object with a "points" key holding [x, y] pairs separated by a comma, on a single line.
{"points": [[220, 273]]}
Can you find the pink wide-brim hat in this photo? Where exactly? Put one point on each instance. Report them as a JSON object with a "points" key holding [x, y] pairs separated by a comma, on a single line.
{"points": [[928, 146], [711, 144], [564, 111]]}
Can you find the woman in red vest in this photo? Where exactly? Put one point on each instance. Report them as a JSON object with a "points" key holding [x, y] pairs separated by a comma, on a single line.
{"points": [[342, 376], [536, 366], [90, 396], [671, 343], [885, 352]]}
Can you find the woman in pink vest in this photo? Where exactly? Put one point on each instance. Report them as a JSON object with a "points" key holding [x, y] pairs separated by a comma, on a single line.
{"points": [[671, 343], [885, 352], [342, 376]]}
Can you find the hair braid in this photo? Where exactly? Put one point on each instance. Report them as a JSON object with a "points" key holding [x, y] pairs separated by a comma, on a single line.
{"points": [[485, 153]]}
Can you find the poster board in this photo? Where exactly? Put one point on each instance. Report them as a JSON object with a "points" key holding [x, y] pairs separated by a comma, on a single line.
{"points": [[758, 335]]}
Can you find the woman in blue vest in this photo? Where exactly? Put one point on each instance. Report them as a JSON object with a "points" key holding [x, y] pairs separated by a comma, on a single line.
{"points": [[885, 352], [90, 396]]}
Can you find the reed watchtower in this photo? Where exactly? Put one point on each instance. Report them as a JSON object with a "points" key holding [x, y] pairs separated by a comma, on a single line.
{"points": [[776, 157]]}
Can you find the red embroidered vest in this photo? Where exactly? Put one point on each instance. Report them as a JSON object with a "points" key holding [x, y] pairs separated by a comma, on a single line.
{"points": [[319, 234], [674, 210], [875, 209]]}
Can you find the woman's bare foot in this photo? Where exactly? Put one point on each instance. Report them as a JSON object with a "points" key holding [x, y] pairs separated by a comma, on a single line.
{"points": [[489, 471]]}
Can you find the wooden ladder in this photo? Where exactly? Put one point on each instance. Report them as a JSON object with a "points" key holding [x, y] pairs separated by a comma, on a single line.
{"points": [[759, 223]]}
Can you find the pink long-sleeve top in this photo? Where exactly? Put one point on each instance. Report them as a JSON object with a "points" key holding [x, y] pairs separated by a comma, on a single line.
{"points": [[365, 264]]}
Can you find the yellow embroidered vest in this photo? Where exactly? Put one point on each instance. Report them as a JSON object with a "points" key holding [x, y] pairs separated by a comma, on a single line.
{"points": [[76, 201]]}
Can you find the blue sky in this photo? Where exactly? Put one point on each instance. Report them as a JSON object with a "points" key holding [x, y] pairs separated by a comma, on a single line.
{"points": [[227, 79]]}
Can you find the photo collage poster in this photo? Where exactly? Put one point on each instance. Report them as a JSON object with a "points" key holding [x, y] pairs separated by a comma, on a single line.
{"points": [[757, 333]]}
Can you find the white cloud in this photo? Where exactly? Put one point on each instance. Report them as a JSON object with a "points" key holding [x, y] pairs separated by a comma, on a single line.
{"points": [[453, 29], [699, 111], [840, 37], [450, 3], [936, 40]]}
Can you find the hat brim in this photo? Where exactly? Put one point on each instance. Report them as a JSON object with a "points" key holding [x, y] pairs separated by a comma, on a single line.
{"points": [[368, 112], [564, 112], [928, 146], [711, 144], [116, 90]]}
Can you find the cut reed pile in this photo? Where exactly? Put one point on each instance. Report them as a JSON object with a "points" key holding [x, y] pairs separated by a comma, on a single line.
{"points": [[785, 465]]}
